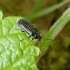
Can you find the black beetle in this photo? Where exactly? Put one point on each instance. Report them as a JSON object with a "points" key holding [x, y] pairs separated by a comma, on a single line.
{"points": [[29, 28]]}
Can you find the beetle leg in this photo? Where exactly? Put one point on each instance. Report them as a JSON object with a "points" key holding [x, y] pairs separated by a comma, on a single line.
{"points": [[29, 36], [23, 31], [33, 38]]}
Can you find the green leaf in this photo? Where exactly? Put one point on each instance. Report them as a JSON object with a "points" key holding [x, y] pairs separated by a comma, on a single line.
{"points": [[16, 49]]}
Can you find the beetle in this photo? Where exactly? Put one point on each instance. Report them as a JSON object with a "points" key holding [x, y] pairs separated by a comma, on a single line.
{"points": [[29, 28]]}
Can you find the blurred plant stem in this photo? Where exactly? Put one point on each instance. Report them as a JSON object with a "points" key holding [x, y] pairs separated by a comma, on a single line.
{"points": [[45, 11], [54, 30]]}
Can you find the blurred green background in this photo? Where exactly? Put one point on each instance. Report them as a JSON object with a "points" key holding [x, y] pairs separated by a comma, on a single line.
{"points": [[57, 56]]}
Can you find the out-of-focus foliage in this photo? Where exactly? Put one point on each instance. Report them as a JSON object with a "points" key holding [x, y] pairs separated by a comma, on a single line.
{"points": [[57, 55], [56, 62]]}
